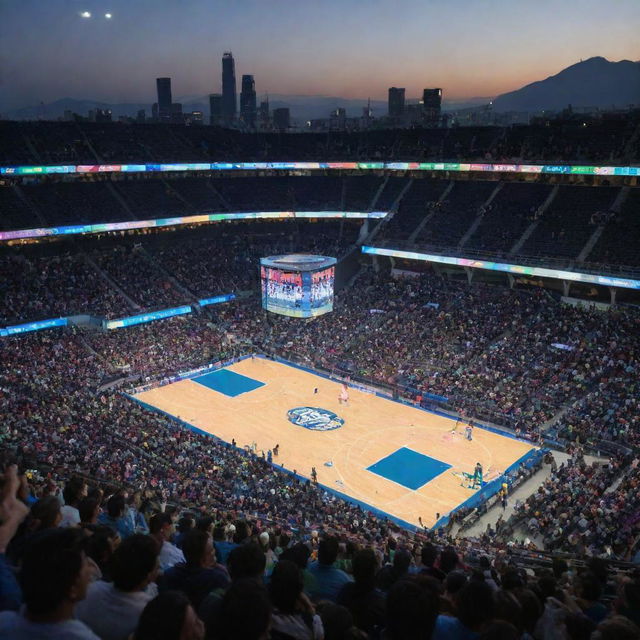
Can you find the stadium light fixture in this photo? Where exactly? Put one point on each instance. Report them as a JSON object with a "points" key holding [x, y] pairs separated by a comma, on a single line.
{"points": [[85, 14], [108, 16]]}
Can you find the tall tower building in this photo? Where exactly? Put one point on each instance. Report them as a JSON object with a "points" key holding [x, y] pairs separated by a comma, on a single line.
{"points": [[396, 102], [263, 114], [164, 98], [432, 105], [281, 119], [248, 106], [215, 109], [229, 100]]}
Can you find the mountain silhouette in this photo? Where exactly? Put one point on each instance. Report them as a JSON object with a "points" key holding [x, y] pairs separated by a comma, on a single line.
{"points": [[595, 82]]}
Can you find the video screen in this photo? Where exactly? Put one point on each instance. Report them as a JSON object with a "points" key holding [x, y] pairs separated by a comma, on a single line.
{"points": [[300, 295]]}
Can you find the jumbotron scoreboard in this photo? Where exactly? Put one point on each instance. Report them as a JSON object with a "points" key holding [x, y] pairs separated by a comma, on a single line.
{"points": [[297, 285]]}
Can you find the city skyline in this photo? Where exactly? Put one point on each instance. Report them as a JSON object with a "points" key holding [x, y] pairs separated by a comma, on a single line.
{"points": [[350, 48]]}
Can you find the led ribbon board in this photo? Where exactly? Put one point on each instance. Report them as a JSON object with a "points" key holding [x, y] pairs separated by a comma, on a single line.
{"points": [[217, 299], [170, 222], [315, 166], [515, 269], [33, 326], [147, 317]]}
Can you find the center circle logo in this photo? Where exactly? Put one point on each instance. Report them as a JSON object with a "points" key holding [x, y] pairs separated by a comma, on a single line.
{"points": [[314, 418]]}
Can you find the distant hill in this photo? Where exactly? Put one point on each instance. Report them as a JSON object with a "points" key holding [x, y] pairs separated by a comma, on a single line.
{"points": [[595, 82]]}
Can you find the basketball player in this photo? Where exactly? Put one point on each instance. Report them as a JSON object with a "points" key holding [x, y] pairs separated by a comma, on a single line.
{"points": [[314, 475], [343, 398], [468, 431], [477, 476]]}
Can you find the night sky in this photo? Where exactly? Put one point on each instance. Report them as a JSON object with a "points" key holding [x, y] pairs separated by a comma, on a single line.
{"points": [[348, 48]]}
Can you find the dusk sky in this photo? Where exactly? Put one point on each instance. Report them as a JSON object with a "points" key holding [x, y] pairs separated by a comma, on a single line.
{"points": [[347, 48]]}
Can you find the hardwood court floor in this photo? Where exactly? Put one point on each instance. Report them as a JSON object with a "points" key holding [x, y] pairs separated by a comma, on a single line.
{"points": [[374, 428]]}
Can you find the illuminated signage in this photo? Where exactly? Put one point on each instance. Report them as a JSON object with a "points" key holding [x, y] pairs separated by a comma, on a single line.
{"points": [[216, 300], [543, 272], [313, 166], [33, 326], [20, 234], [147, 317]]}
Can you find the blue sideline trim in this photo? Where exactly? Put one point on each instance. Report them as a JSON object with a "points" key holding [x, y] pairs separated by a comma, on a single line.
{"points": [[363, 505], [491, 488]]}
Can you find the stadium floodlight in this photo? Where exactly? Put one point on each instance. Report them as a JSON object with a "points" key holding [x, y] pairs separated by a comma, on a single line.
{"points": [[108, 16], [85, 14]]}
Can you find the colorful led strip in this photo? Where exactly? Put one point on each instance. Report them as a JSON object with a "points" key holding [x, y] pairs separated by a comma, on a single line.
{"points": [[515, 269], [19, 234], [311, 166]]}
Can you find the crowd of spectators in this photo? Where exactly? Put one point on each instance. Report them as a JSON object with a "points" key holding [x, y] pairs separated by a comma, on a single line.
{"points": [[139, 277], [128, 565], [579, 140], [62, 285], [564, 228], [315, 563], [579, 509], [514, 356], [122, 524], [435, 214]]}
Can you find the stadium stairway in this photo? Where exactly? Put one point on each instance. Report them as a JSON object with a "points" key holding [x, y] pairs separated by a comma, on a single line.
{"points": [[392, 211], [29, 204], [476, 223], [88, 144], [343, 195], [219, 196], [378, 193], [595, 236], [531, 228], [174, 192], [632, 148], [142, 251], [32, 149], [120, 198], [443, 196], [112, 283]]}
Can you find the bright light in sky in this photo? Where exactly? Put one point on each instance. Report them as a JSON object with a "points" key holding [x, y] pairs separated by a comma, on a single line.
{"points": [[85, 14], [107, 16]]}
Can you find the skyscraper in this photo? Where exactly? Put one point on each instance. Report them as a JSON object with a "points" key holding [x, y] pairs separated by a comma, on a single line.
{"points": [[263, 114], [431, 105], [248, 107], [229, 101], [281, 119], [215, 109], [396, 102], [164, 98]]}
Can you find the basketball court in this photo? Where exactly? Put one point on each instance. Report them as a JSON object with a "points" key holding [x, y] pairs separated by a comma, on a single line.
{"points": [[398, 459]]}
